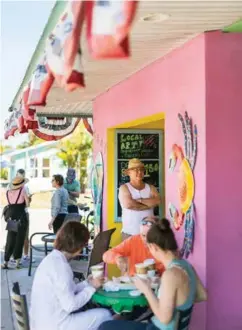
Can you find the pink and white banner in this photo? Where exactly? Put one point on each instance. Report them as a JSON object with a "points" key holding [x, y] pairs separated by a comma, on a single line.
{"points": [[40, 84], [108, 27], [63, 52]]}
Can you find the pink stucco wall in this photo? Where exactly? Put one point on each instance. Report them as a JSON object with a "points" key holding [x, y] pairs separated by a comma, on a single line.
{"points": [[203, 77], [224, 180], [173, 84]]}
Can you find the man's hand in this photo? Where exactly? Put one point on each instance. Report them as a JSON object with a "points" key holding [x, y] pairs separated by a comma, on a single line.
{"points": [[128, 202], [122, 263], [96, 282]]}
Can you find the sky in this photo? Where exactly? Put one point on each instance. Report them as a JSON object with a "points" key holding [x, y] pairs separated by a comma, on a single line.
{"points": [[22, 23]]}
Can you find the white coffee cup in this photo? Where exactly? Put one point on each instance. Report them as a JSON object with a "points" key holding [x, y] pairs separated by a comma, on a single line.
{"points": [[140, 268], [97, 271]]}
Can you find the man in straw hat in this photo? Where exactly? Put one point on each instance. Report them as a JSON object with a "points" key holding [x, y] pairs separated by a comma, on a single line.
{"points": [[137, 199]]}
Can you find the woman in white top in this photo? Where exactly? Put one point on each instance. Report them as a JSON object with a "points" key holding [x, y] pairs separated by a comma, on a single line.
{"points": [[55, 296], [137, 199]]}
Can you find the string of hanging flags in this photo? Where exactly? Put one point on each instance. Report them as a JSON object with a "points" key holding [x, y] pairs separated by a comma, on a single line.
{"points": [[108, 25]]}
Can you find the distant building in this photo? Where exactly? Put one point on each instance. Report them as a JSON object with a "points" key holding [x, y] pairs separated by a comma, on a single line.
{"points": [[40, 163]]}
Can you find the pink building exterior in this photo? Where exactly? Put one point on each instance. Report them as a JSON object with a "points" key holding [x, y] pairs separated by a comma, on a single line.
{"points": [[203, 77]]}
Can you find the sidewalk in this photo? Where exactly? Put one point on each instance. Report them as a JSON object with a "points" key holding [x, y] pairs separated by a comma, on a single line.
{"points": [[6, 311], [38, 223], [8, 277]]}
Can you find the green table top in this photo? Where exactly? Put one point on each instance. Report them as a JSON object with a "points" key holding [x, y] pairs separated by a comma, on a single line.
{"points": [[120, 301]]}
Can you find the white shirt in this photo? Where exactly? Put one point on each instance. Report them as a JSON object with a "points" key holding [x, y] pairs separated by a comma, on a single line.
{"points": [[27, 191], [55, 296], [131, 219]]}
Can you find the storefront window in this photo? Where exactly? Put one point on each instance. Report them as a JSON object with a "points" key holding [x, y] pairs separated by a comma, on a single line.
{"points": [[33, 172], [46, 162], [45, 168], [45, 173]]}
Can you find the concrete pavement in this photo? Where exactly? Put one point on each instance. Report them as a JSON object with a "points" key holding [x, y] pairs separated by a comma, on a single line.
{"points": [[39, 219]]}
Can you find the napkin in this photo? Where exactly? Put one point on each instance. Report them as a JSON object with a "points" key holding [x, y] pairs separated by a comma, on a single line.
{"points": [[111, 286]]}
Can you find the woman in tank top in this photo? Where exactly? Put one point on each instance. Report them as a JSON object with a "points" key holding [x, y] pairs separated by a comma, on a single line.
{"points": [[180, 286], [16, 211]]}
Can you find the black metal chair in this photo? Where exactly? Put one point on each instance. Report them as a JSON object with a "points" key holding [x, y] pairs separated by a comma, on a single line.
{"points": [[184, 319], [20, 307], [45, 248], [183, 322], [101, 244], [48, 239]]}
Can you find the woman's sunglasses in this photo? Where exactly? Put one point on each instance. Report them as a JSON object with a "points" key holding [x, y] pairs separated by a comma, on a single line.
{"points": [[146, 223]]}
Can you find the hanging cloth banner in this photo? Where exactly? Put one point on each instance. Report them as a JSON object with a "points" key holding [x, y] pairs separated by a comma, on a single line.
{"points": [[52, 129], [27, 112], [40, 84], [108, 26], [20, 119], [88, 123], [63, 53], [10, 126]]}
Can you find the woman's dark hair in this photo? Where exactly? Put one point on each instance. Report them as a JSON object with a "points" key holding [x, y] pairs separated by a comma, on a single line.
{"points": [[162, 235], [59, 179], [71, 237], [21, 171]]}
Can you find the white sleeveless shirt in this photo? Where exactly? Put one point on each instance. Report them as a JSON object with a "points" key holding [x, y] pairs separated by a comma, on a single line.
{"points": [[131, 219]]}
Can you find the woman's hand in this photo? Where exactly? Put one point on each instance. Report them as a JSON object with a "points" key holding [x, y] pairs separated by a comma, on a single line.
{"points": [[122, 263], [96, 282], [142, 285]]}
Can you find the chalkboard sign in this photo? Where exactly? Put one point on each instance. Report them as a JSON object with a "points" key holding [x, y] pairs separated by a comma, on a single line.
{"points": [[137, 145], [143, 144]]}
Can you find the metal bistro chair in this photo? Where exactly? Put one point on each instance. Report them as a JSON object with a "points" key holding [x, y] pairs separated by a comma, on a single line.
{"points": [[101, 244], [46, 238], [20, 308]]}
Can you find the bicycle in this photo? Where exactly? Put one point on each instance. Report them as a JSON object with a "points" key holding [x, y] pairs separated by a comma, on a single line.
{"points": [[87, 216]]}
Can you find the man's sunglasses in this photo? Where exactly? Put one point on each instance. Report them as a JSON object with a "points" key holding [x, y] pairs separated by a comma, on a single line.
{"points": [[146, 223]]}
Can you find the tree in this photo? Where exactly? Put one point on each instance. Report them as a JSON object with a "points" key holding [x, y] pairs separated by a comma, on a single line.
{"points": [[3, 171], [3, 147], [32, 141], [75, 150]]}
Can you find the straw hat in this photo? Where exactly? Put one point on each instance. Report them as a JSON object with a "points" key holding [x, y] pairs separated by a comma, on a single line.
{"points": [[18, 182], [134, 163]]}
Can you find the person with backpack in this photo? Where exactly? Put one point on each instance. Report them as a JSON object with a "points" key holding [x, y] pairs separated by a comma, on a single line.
{"points": [[17, 222]]}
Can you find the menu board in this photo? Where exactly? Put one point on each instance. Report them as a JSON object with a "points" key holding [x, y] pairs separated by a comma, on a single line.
{"points": [[142, 144]]}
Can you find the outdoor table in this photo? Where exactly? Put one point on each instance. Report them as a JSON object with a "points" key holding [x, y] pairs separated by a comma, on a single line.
{"points": [[120, 301], [50, 238]]}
